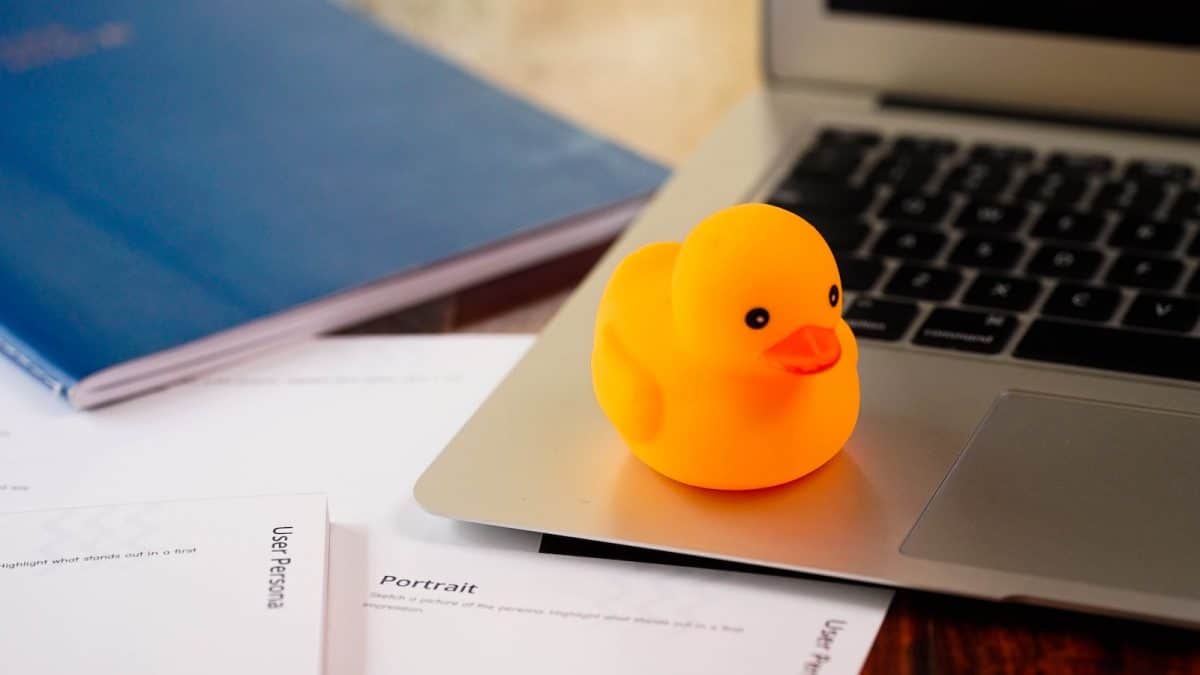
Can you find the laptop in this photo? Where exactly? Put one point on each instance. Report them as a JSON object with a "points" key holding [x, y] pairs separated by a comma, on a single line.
{"points": [[1012, 196]]}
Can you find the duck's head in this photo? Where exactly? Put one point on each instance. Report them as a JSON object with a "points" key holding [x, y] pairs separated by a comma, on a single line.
{"points": [[756, 289]]}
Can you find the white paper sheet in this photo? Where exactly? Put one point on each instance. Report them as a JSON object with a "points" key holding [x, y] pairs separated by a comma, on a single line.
{"points": [[205, 586], [401, 606], [359, 419]]}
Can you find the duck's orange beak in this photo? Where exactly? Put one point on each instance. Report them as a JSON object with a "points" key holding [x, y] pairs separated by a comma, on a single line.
{"points": [[808, 350]]}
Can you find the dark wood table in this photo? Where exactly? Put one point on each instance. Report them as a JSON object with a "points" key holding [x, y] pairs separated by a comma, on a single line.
{"points": [[930, 633]]}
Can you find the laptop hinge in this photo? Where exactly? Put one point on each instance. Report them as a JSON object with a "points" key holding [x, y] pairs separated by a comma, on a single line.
{"points": [[909, 102]]}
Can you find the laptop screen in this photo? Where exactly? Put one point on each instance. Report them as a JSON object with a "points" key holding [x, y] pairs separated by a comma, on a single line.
{"points": [[1155, 24]]}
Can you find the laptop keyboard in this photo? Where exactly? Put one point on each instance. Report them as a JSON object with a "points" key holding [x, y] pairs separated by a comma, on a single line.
{"points": [[997, 249]]}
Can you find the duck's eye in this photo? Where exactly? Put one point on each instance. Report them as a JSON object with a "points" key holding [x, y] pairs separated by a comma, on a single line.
{"points": [[834, 294], [757, 318]]}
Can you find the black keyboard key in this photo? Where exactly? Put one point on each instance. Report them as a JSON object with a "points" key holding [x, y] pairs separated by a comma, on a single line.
{"points": [[1149, 235], [915, 209], [1079, 163], [1007, 155], [1193, 286], [1194, 249], [910, 244], [1000, 253], [880, 319], [1129, 196], [829, 161], [926, 283], [1053, 188], [1187, 206], [1142, 271], [1163, 312], [841, 233], [838, 136], [858, 274], [1158, 170], [1065, 261], [992, 217], [1090, 303], [965, 330], [928, 146], [1068, 226], [978, 178], [803, 195], [1000, 292], [1128, 351], [906, 173]]}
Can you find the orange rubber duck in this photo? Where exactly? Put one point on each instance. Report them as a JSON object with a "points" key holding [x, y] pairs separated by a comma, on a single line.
{"points": [[724, 361]]}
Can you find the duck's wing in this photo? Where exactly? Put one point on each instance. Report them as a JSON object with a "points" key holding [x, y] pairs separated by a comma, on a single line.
{"points": [[627, 391]]}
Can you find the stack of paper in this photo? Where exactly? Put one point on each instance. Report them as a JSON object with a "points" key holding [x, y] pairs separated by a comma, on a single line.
{"points": [[207, 586], [358, 419]]}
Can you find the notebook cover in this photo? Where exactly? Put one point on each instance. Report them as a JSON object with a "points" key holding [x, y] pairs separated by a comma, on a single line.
{"points": [[169, 170]]}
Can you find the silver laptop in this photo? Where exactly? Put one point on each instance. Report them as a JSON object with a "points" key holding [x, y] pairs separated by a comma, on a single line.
{"points": [[1012, 196]]}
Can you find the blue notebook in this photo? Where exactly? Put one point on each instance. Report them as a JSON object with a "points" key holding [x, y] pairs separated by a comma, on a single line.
{"points": [[185, 183]]}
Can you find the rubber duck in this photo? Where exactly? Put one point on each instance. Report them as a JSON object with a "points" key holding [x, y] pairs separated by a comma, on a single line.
{"points": [[724, 362]]}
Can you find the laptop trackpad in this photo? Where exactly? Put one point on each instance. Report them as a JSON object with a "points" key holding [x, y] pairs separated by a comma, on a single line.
{"points": [[1093, 492]]}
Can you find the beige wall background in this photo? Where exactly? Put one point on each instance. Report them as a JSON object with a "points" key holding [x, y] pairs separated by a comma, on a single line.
{"points": [[655, 75]]}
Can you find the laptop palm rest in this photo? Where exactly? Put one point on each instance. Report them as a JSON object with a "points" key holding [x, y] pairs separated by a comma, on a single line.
{"points": [[1078, 490]]}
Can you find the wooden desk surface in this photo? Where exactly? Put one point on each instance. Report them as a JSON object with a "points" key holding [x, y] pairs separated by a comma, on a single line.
{"points": [[656, 75], [653, 74]]}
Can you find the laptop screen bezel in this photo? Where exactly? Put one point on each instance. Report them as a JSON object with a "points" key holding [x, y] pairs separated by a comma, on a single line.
{"points": [[805, 42]]}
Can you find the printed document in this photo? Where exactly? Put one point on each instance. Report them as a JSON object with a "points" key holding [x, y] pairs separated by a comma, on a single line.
{"points": [[204, 586], [401, 606]]}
